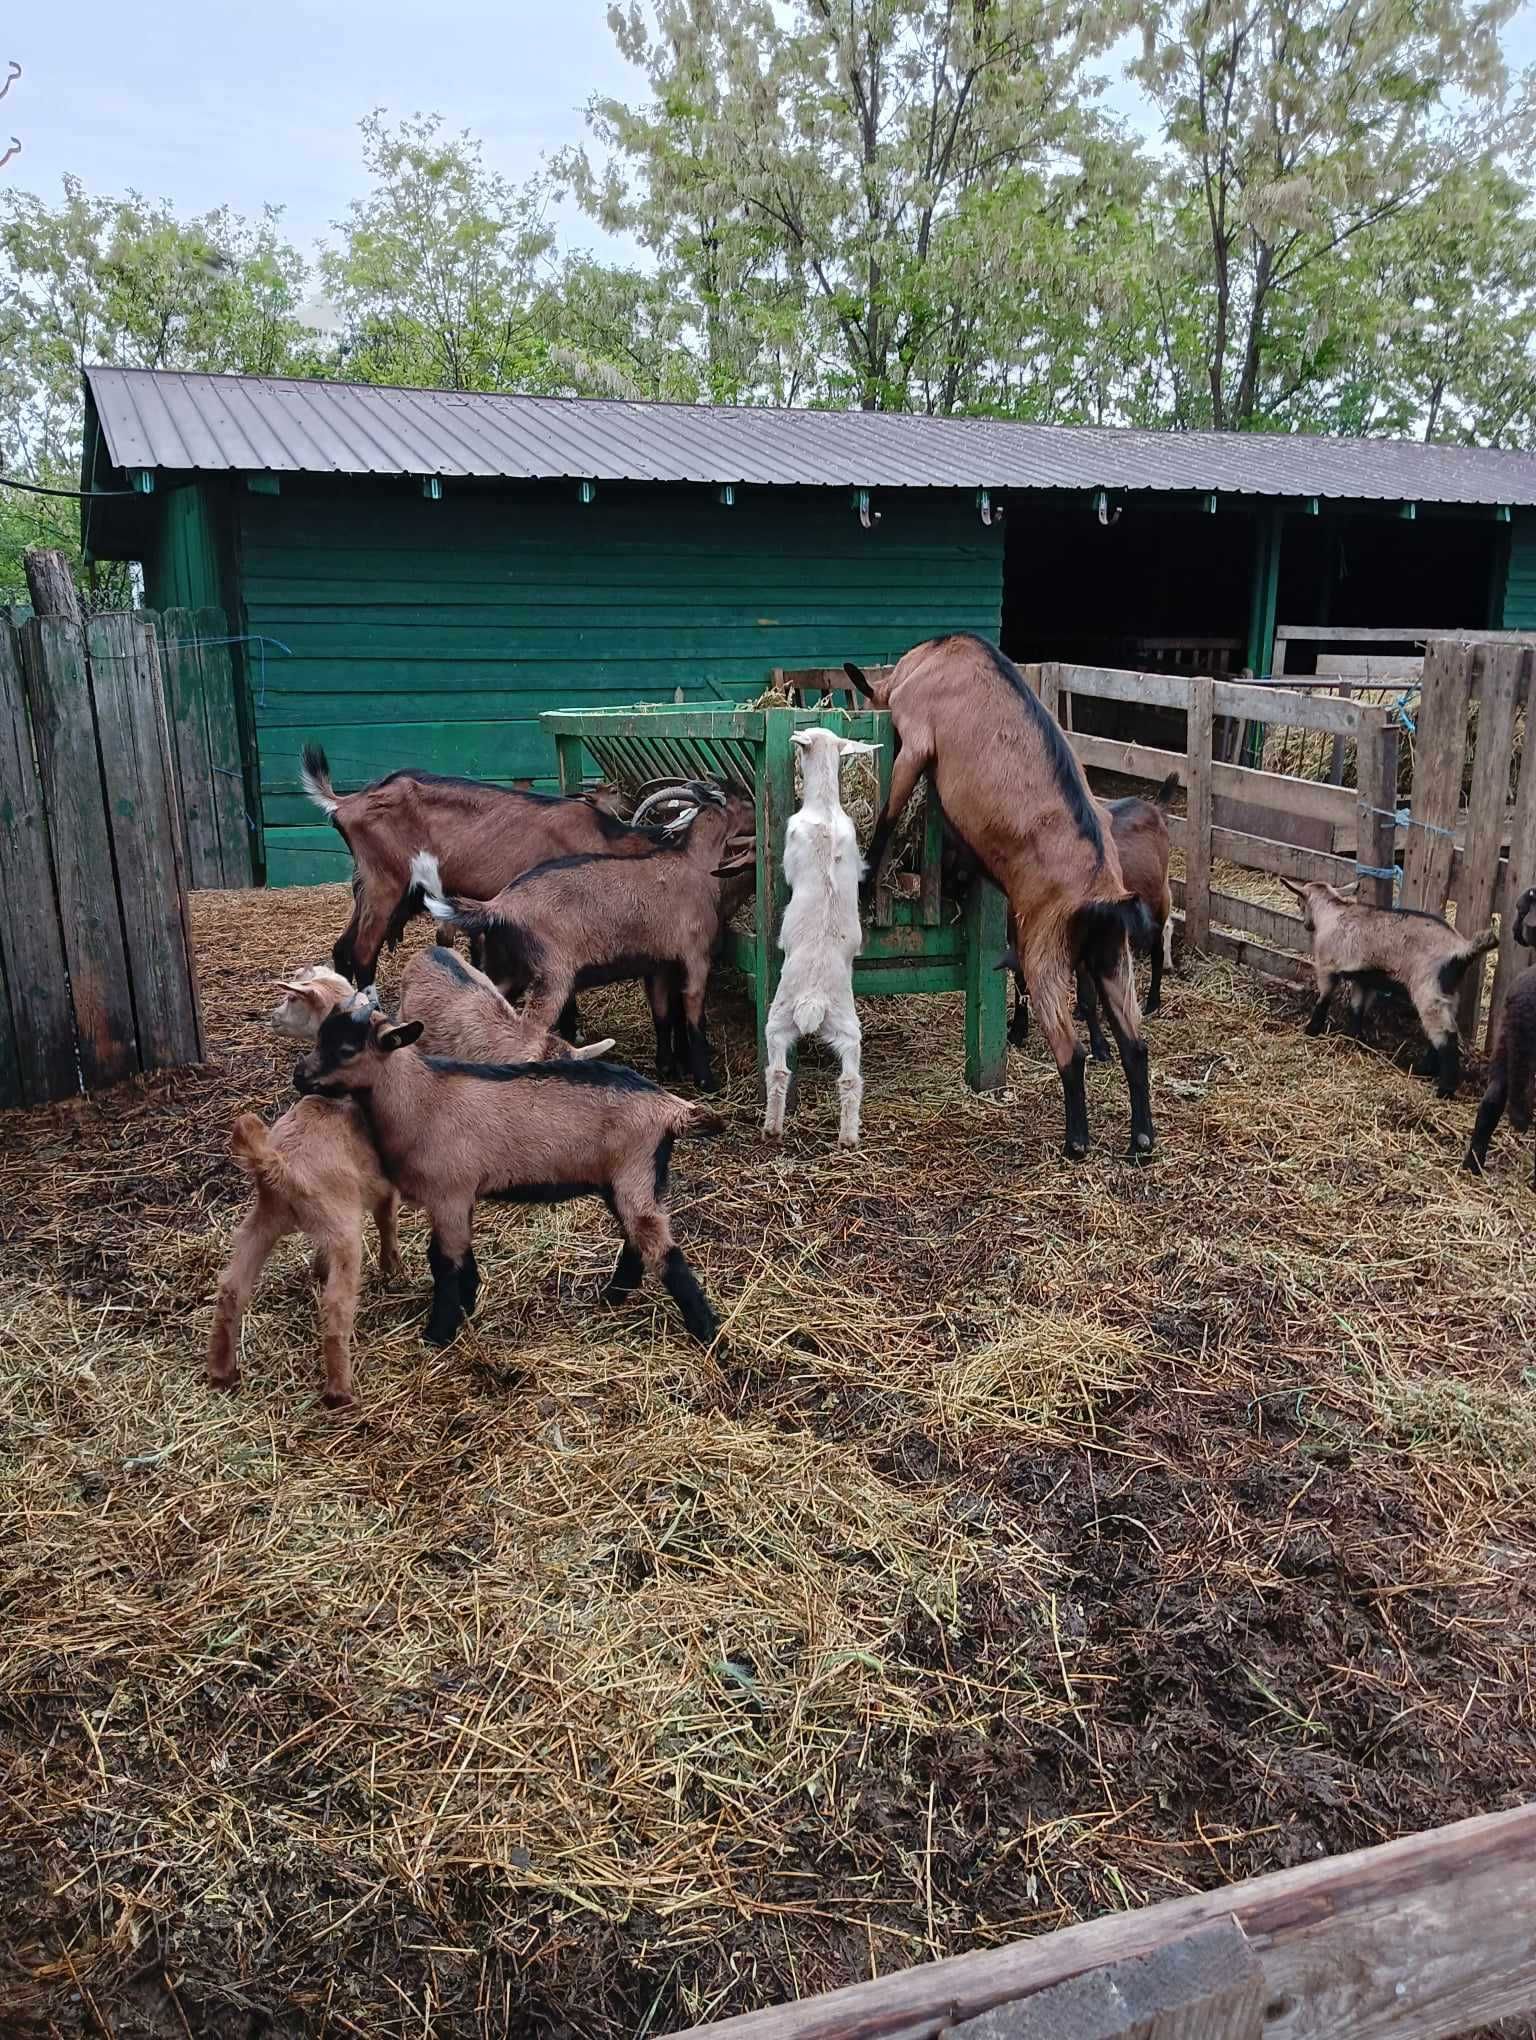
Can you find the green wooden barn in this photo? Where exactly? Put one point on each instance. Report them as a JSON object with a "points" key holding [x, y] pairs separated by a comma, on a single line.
{"points": [[412, 576]]}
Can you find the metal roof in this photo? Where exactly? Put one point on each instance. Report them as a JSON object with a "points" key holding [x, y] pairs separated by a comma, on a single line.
{"points": [[160, 419]]}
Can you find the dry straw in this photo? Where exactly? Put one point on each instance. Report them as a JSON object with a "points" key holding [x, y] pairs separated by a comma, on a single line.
{"points": [[1044, 1541]]}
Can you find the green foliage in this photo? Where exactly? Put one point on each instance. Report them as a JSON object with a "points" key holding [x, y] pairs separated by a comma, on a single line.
{"points": [[438, 268]]}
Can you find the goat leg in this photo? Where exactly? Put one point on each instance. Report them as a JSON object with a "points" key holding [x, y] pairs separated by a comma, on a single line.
{"points": [[699, 1067], [386, 1216], [1489, 1113], [259, 1232], [338, 1309], [1088, 1008], [1319, 1019], [448, 1311], [1018, 1027], [1118, 989], [1162, 959], [911, 763]]}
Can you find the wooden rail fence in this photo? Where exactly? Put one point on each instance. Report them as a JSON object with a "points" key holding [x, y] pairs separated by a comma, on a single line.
{"points": [[96, 975], [1416, 1940]]}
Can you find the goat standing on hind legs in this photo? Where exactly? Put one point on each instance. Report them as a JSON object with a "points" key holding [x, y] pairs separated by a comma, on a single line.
{"points": [[1013, 791], [821, 934]]}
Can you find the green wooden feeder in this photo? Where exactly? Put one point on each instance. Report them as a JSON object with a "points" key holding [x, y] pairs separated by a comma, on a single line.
{"points": [[926, 944]]}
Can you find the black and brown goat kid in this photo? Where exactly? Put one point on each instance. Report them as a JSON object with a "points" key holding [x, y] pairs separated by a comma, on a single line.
{"points": [[449, 1133], [601, 920], [1512, 1072]]}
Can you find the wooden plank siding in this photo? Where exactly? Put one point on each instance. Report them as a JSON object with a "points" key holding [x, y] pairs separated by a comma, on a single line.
{"points": [[183, 570], [434, 634], [1519, 604]]}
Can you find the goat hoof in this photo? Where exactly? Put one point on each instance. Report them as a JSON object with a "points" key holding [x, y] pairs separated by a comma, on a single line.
{"points": [[230, 1380], [1473, 1164], [1140, 1149], [1152, 1006], [339, 1399], [1101, 1054], [437, 1334], [1075, 1150]]}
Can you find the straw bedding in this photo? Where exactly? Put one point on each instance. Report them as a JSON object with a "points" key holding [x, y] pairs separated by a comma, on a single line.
{"points": [[1045, 1541]]}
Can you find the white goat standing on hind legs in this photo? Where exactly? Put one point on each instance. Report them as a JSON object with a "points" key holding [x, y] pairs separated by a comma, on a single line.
{"points": [[821, 934]]}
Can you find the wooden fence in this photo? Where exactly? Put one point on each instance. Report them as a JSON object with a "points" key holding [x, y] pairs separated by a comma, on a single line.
{"points": [[96, 974], [1415, 1940], [200, 702], [1479, 856]]}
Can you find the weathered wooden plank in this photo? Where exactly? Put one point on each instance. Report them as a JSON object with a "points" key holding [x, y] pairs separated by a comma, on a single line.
{"points": [[188, 720], [1112, 683], [1504, 674], [1438, 759], [64, 727], [1207, 1986], [1369, 669], [1277, 929], [1294, 796], [1519, 873], [1199, 772], [986, 987], [1285, 705], [1285, 860], [1376, 835], [1414, 1940], [1272, 963], [1280, 825], [39, 1025], [238, 847], [125, 685], [1135, 761]]}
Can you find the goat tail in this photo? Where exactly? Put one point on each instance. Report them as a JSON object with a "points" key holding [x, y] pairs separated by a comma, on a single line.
{"points": [[1164, 796], [692, 1118], [808, 1011], [252, 1149], [1455, 968], [315, 776], [426, 890], [1099, 927], [859, 678]]}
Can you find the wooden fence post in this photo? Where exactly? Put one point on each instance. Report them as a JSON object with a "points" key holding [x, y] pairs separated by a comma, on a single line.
{"points": [[1440, 755], [1504, 673], [64, 728], [1376, 836], [1197, 827], [238, 833], [1520, 873], [140, 807], [37, 1029], [986, 987]]}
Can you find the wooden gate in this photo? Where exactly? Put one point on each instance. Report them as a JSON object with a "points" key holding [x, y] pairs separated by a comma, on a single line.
{"points": [[96, 975]]}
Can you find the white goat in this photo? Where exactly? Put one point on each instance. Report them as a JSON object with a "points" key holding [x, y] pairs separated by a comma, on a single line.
{"points": [[821, 934]]}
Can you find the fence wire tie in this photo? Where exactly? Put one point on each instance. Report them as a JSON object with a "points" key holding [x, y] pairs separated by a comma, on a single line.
{"points": [[1405, 820], [229, 772], [1402, 714], [245, 638]]}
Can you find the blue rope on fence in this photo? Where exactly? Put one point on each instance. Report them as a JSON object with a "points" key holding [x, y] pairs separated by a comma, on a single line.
{"points": [[253, 637]]}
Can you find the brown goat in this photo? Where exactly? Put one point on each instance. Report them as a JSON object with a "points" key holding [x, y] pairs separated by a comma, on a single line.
{"points": [[1512, 1073], [482, 837], [451, 1132], [1140, 830], [598, 920], [1013, 791], [1371, 948], [464, 1015], [316, 1172]]}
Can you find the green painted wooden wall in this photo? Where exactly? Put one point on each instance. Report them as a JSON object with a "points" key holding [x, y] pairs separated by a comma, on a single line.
{"points": [[433, 633], [1520, 574], [183, 571]]}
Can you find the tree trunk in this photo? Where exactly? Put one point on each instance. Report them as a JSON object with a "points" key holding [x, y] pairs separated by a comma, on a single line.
{"points": [[1248, 387], [51, 585]]}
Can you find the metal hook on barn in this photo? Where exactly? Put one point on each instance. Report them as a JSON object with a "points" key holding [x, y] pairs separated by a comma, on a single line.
{"points": [[991, 513], [1107, 516], [867, 517]]}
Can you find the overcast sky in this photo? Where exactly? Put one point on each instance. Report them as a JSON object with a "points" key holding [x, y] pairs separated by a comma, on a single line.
{"points": [[246, 102]]}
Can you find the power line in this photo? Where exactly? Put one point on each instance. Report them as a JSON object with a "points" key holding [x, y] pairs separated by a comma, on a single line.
{"points": [[75, 495]]}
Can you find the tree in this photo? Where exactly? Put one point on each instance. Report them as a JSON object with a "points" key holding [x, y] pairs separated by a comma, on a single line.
{"points": [[1296, 128], [845, 159], [439, 266], [122, 281]]}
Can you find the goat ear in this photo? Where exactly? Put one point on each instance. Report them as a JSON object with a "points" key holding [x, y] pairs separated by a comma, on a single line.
{"points": [[800, 738], [854, 747], [1292, 887], [311, 994], [391, 1038]]}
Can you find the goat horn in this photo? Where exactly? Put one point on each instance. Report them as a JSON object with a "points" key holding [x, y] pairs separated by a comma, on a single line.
{"points": [[652, 800]]}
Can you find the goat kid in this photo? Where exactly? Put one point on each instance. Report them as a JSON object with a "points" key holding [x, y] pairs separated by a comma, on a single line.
{"points": [[482, 836], [1512, 1072], [598, 920], [1013, 791], [316, 1172], [1370, 948], [451, 1132], [821, 934], [459, 1008], [1140, 830]]}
